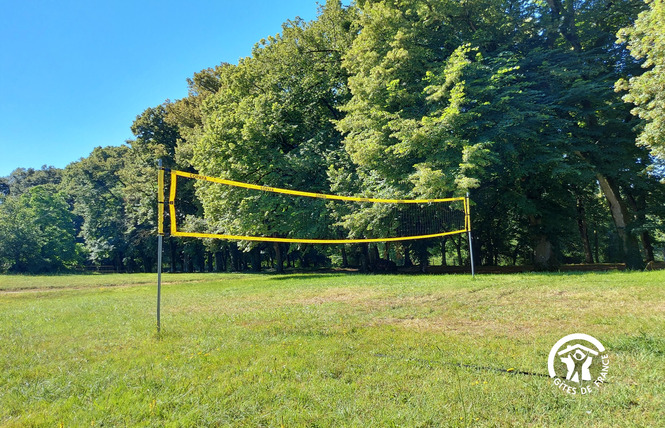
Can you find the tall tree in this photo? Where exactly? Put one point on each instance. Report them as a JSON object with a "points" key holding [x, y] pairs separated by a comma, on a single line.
{"points": [[441, 106], [95, 185], [599, 126], [156, 139], [270, 122]]}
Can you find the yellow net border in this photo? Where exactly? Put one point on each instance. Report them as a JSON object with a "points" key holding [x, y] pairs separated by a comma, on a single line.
{"points": [[175, 232]]}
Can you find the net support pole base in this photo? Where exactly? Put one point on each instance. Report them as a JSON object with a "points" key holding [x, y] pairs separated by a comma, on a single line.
{"points": [[468, 227], [160, 243], [473, 269], [160, 240]]}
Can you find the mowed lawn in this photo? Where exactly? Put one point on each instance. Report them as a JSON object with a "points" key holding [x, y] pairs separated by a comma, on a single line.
{"points": [[325, 350]]}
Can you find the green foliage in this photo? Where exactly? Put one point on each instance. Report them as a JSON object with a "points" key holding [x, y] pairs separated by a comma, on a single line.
{"points": [[511, 100], [95, 186], [156, 138], [37, 232], [527, 122], [270, 122], [21, 179], [646, 42]]}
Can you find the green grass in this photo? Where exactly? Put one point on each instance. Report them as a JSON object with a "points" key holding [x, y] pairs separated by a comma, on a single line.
{"points": [[325, 350], [31, 282]]}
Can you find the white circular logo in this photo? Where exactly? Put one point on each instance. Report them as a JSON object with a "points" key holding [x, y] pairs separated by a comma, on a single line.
{"points": [[578, 363]]}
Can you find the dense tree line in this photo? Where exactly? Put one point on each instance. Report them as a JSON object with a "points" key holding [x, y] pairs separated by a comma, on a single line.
{"points": [[548, 113]]}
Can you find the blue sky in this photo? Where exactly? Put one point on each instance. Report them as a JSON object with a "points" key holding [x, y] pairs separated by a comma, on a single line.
{"points": [[75, 74]]}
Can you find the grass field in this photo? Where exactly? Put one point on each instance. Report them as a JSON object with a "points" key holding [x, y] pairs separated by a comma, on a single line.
{"points": [[325, 350]]}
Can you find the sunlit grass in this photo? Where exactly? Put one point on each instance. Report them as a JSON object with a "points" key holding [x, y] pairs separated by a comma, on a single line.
{"points": [[325, 350], [32, 282]]}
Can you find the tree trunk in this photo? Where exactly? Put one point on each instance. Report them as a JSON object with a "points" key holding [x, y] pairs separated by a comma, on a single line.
{"points": [[121, 264], [407, 256], [373, 257], [345, 259], [364, 258], [443, 251], [218, 261], [279, 259], [543, 251], [638, 206], [255, 254], [631, 250], [584, 233], [648, 247], [209, 261], [458, 248], [235, 257], [595, 246], [516, 253]]}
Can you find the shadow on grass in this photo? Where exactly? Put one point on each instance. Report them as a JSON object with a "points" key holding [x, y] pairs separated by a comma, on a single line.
{"points": [[510, 371]]}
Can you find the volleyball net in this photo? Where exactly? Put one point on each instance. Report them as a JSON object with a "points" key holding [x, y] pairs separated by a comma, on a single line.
{"points": [[249, 212]]}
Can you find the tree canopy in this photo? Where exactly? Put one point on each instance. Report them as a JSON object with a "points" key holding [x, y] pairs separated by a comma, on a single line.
{"points": [[548, 112], [646, 43]]}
